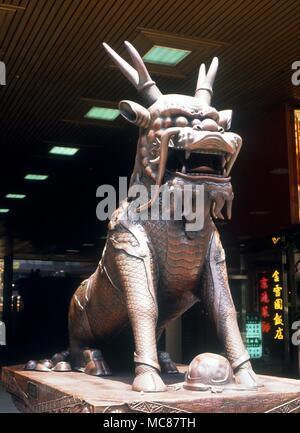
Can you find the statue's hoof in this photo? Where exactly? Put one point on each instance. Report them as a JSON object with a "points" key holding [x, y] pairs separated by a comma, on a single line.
{"points": [[97, 368], [166, 363], [245, 376], [149, 381], [95, 363]]}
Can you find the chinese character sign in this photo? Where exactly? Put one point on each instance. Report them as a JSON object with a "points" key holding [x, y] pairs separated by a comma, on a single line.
{"points": [[270, 292], [254, 335]]}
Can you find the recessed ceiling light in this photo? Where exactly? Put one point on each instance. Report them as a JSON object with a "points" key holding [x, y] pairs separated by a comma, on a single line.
{"points": [[259, 212], [65, 151], [102, 113], [15, 196], [36, 177], [165, 55], [72, 251], [88, 245], [279, 171], [4, 210]]}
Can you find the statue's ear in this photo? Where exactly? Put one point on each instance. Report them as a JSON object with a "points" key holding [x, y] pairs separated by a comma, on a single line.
{"points": [[135, 113], [225, 119]]}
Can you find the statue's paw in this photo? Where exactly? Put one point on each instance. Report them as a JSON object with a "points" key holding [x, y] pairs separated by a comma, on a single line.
{"points": [[245, 376], [166, 363], [148, 381]]}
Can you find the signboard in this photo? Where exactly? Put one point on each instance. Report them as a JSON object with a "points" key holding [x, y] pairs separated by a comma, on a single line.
{"points": [[270, 292], [254, 335]]}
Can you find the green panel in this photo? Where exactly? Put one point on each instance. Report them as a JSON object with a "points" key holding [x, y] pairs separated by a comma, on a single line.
{"points": [[36, 177], [101, 113], [165, 55], [65, 151]]}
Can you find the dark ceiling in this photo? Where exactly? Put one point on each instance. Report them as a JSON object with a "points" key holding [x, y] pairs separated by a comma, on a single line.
{"points": [[57, 69]]}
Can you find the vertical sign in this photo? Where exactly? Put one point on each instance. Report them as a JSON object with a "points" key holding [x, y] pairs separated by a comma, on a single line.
{"points": [[271, 304], [264, 302], [277, 316], [254, 335]]}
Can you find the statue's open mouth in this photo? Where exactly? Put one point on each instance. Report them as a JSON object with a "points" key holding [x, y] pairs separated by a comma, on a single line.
{"points": [[197, 163], [195, 155], [200, 155]]}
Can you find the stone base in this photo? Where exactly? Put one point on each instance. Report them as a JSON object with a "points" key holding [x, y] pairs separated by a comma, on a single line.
{"points": [[39, 392]]}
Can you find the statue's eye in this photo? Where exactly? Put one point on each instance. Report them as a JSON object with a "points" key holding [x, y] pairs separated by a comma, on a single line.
{"points": [[196, 123], [168, 122], [181, 121], [157, 124]]}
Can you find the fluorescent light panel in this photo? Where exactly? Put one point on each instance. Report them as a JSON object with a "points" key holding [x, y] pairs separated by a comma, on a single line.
{"points": [[4, 210], [65, 151], [36, 177], [102, 113], [15, 196], [165, 55]]}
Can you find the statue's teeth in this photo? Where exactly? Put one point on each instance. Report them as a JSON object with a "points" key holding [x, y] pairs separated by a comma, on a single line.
{"points": [[187, 154], [183, 170]]}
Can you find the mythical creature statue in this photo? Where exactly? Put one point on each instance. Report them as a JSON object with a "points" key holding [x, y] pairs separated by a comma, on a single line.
{"points": [[152, 271]]}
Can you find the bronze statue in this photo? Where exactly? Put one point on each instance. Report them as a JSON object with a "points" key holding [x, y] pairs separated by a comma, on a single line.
{"points": [[152, 271]]}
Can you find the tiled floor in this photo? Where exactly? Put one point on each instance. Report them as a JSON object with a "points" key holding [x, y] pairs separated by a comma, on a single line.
{"points": [[6, 405]]}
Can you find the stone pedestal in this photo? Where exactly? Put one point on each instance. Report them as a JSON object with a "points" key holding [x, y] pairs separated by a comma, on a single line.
{"points": [[76, 392]]}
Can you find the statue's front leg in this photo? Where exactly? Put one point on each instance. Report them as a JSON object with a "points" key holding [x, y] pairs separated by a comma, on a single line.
{"points": [[138, 283], [217, 296]]}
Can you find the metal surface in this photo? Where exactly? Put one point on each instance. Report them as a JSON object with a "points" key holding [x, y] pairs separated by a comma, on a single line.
{"points": [[62, 366], [208, 369], [42, 367], [30, 365], [47, 363], [152, 271]]}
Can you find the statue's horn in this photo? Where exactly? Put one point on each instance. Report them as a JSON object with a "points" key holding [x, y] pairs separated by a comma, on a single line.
{"points": [[205, 81], [140, 76]]}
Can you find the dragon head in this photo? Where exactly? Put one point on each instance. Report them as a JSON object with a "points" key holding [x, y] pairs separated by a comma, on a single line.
{"points": [[182, 135]]}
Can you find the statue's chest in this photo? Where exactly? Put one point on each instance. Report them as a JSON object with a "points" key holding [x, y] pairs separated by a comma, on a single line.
{"points": [[180, 257]]}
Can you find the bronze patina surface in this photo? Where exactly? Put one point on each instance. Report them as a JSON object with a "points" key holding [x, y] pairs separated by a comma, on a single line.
{"points": [[152, 271]]}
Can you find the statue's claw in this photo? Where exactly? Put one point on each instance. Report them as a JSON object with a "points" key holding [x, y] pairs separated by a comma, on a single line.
{"points": [[166, 363], [245, 376], [148, 381]]}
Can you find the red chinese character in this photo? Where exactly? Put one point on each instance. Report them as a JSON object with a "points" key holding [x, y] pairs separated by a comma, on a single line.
{"points": [[264, 298], [264, 311], [263, 283], [266, 327]]}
